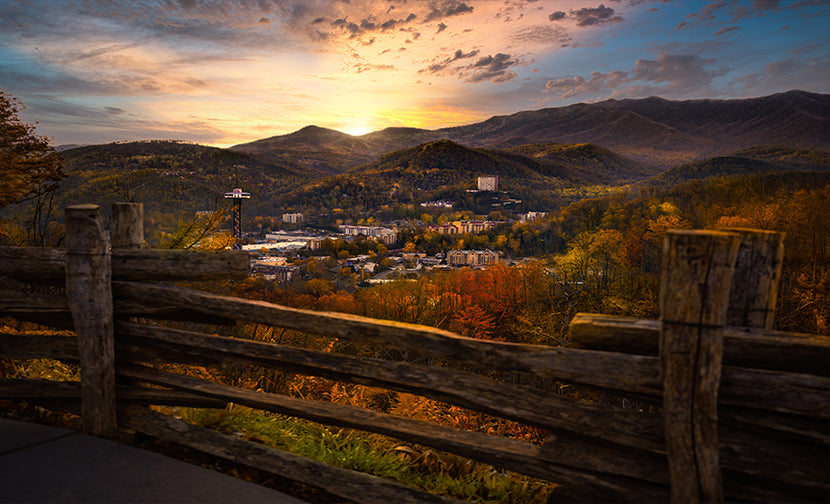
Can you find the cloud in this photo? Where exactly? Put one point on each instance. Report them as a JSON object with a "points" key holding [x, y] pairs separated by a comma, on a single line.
{"points": [[540, 34], [736, 11], [556, 16], [486, 68], [77, 123], [708, 12], [597, 82], [780, 74], [726, 29], [365, 67], [493, 68], [440, 66], [677, 71], [448, 8], [588, 16], [669, 74], [369, 25], [765, 4]]}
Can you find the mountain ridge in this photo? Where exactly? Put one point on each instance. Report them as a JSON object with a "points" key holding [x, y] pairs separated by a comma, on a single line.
{"points": [[655, 131]]}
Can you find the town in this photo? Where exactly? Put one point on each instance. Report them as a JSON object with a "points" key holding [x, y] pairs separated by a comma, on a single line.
{"points": [[283, 255]]}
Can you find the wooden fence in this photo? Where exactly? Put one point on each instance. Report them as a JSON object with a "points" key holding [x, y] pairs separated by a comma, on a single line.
{"points": [[744, 409]]}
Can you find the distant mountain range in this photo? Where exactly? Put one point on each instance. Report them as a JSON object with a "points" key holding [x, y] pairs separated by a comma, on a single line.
{"points": [[542, 157], [653, 131], [754, 161]]}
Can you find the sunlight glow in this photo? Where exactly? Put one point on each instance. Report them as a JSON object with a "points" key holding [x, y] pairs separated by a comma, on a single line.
{"points": [[357, 129]]}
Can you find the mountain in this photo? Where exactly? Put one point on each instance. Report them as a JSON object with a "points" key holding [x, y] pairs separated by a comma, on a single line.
{"points": [[653, 131], [587, 163], [795, 119], [665, 133], [754, 161], [325, 151], [167, 176], [440, 169]]}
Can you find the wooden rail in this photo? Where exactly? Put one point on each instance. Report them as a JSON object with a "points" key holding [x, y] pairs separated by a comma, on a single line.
{"points": [[745, 410]]}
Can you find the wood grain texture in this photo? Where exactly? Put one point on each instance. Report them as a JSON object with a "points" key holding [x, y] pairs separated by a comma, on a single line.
{"points": [[44, 309], [89, 296], [127, 225], [743, 347], [164, 265], [42, 264], [38, 346], [694, 295], [756, 278], [37, 390], [33, 264]]}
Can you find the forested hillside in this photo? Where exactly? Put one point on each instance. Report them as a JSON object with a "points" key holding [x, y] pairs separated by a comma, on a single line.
{"points": [[755, 161], [654, 131], [169, 177], [599, 254]]}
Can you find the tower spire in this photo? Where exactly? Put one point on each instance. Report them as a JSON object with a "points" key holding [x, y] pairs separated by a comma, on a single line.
{"points": [[237, 195]]}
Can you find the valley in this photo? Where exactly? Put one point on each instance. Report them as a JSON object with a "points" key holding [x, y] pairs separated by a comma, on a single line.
{"points": [[587, 190]]}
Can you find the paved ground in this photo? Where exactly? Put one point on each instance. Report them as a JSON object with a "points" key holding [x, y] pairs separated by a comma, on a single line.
{"points": [[46, 464]]}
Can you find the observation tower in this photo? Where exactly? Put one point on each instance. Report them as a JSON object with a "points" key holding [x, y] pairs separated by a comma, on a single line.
{"points": [[237, 195]]}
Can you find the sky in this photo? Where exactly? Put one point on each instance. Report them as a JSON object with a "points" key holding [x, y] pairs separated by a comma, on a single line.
{"points": [[227, 72]]}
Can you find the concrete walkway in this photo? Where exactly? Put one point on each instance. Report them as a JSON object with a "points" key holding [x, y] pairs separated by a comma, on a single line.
{"points": [[46, 464]]}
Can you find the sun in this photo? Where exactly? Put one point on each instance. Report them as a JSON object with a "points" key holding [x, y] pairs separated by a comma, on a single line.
{"points": [[357, 129]]}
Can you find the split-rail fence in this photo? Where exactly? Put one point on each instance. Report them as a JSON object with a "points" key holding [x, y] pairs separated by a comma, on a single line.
{"points": [[739, 411]]}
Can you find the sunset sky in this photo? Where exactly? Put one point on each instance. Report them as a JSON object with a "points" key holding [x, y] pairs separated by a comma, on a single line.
{"points": [[223, 73]]}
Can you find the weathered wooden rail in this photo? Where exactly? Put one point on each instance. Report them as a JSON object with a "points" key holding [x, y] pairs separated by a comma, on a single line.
{"points": [[745, 410]]}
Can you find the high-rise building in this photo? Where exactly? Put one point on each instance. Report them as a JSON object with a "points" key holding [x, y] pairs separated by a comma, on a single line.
{"points": [[292, 218], [489, 183]]}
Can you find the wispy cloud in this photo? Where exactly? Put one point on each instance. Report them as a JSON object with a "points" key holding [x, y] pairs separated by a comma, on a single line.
{"points": [[668, 74]]}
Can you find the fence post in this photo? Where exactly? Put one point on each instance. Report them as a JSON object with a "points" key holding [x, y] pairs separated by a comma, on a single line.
{"points": [[89, 293], [127, 225], [757, 273], [694, 295]]}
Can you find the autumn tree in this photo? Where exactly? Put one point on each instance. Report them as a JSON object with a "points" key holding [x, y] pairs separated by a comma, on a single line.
{"points": [[200, 232], [30, 165]]}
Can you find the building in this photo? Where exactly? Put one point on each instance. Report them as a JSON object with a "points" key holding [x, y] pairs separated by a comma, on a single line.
{"points": [[296, 239], [474, 227], [293, 218], [489, 183], [463, 227], [281, 273], [472, 257], [387, 236], [283, 236], [448, 228], [529, 216], [437, 204], [314, 244]]}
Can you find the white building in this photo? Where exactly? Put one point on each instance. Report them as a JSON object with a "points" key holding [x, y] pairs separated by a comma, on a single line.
{"points": [[292, 218], [490, 183], [384, 235], [529, 216]]}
